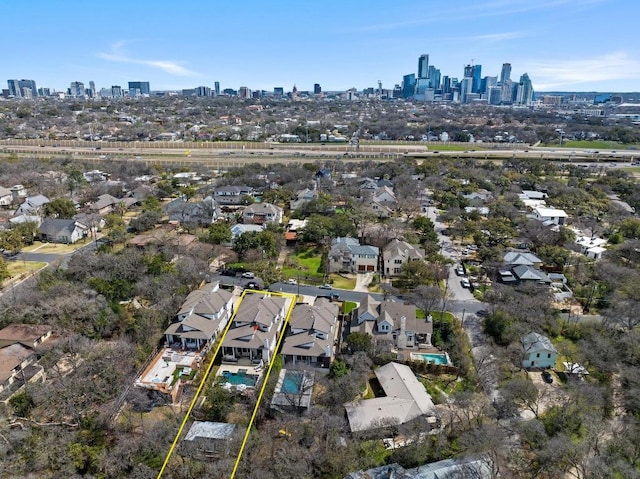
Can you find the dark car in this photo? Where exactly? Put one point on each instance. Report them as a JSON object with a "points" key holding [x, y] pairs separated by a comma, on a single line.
{"points": [[482, 313], [228, 272], [547, 377]]}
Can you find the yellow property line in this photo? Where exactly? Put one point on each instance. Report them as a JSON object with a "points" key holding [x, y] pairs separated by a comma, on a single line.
{"points": [[208, 371]]}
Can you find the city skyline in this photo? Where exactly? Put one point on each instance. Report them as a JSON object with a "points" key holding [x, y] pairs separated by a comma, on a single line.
{"points": [[563, 45]]}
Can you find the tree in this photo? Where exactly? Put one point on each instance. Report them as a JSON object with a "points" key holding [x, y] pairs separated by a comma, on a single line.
{"points": [[75, 179], [218, 233], [4, 270], [359, 342], [60, 208]]}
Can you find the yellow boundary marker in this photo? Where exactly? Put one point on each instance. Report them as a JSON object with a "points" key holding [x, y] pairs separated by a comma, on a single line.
{"points": [[208, 371]]}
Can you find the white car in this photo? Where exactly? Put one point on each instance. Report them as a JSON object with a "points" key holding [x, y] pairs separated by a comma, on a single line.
{"points": [[292, 281], [465, 283], [248, 275]]}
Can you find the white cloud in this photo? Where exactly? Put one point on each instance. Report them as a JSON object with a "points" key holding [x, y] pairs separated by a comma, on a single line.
{"points": [[551, 75], [168, 66], [498, 37]]}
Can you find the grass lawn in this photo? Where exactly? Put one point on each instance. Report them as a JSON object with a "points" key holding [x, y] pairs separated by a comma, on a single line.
{"points": [[348, 306], [341, 282], [54, 248], [306, 263]]}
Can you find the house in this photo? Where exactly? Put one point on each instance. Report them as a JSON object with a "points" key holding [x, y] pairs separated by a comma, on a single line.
{"points": [[516, 258], [232, 195], [292, 229], [538, 351], [591, 247], [6, 198], [302, 197], [311, 334], [253, 334], [262, 213], [239, 229], [18, 347], [385, 196], [550, 215], [346, 254], [203, 315], [524, 273], [204, 212], [470, 467], [56, 230], [207, 438], [32, 206], [18, 192], [104, 204], [397, 253], [405, 399], [391, 322], [380, 210]]}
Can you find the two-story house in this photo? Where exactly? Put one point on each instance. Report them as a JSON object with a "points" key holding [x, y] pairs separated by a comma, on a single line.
{"points": [[232, 195], [538, 351], [262, 213], [203, 315], [391, 323], [397, 253], [257, 324], [347, 254], [311, 334]]}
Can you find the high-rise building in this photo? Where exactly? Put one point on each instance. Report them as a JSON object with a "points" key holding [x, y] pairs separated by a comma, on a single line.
{"points": [[465, 88], [446, 84], [317, 89], [477, 78], [76, 89], [203, 91], [244, 92], [434, 77], [505, 74], [468, 71], [278, 92], [142, 86], [22, 88], [14, 88], [408, 85], [116, 91], [525, 90], [216, 87], [92, 89], [423, 66]]}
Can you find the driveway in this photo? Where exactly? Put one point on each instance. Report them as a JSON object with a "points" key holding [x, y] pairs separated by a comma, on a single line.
{"points": [[362, 282]]}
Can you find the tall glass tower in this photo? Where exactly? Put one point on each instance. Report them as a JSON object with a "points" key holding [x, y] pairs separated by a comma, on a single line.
{"points": [[505, 74], [423, 66]]}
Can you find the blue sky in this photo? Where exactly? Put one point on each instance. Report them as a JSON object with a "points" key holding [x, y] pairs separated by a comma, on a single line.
{"points": [[571, 45]]}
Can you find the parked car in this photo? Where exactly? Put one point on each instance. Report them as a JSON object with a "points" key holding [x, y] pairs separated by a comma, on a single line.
{"points": [[465, 283], [292, 281], [482, 313], [459, 270], [326, 286], [547, 377], [252, 285], [248, 274]]}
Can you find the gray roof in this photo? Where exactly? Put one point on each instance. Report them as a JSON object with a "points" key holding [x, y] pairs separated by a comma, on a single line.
{"points": [[398, 247], [406, 399], [473, 467], [210, 430], [529, 273], [517, 257], [533, 342], [57, 227]]}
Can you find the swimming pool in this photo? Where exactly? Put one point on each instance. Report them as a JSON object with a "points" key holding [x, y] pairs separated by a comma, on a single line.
{"points": [[292, 382], [240, 378], [433, 358]]}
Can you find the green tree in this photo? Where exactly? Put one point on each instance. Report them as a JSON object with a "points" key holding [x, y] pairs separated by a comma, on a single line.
{"points": [[218, 233], [152, 204], [359, 342], [75, 180], [11, 241], [60, 208], [4, 270]]}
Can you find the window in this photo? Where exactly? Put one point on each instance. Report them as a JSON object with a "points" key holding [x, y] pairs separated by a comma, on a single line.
{"points": [[537, 355], [549, 355]]}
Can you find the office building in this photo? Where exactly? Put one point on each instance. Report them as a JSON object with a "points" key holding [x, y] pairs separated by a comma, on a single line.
{"points": [[92, 89], [408, 85], [477, 79], [116, 91], [141, 86], [423, 66], [203, 91], [216, 87], [505, 74], [465, 88], [14, 88], [434, 77], [317, 89], [524, 94], [244, 92], [76, 89], [278, 92], [22, 88]]}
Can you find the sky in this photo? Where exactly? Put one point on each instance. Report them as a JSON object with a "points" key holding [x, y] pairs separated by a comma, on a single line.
{"points": [[563, 45]]}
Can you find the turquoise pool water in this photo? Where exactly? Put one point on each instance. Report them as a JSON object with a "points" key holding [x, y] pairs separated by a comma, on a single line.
{"points": [[433, 358], [240, 378], [291, 382]]}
